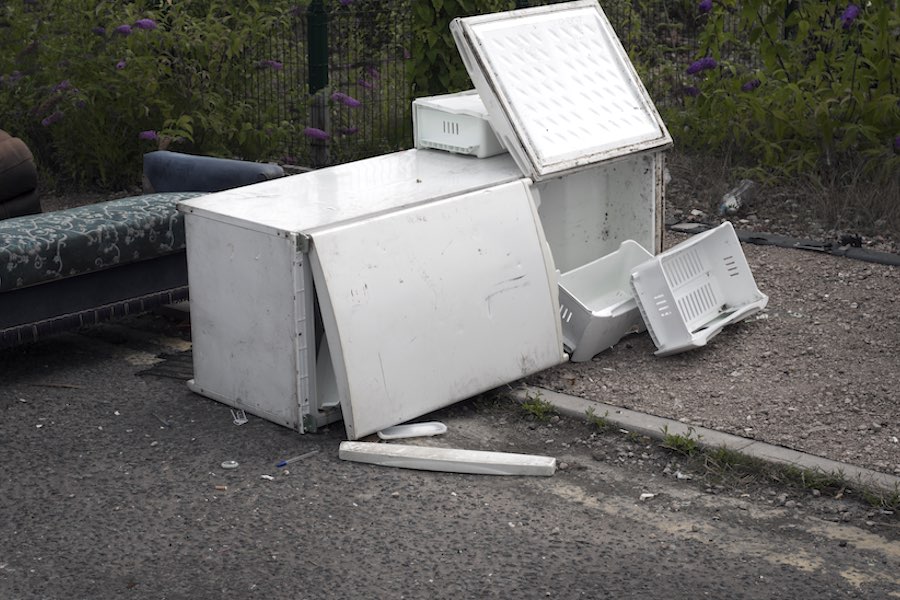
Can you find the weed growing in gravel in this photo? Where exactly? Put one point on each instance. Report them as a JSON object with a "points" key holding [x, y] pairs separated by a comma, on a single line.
{"points": [[808, 478], [687, 444], [595, 419], [724, 463], [539, 408], [883, 499], [732, 468]]}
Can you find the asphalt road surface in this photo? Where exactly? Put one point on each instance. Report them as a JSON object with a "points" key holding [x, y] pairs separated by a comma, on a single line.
{"points": [[112, 487]]}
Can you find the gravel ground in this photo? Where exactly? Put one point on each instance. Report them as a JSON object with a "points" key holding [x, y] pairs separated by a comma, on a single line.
{"points": [[818, 370]]}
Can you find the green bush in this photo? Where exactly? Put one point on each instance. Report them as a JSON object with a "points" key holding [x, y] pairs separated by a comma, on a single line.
{"points": [[437, 68], [93, 84], [823, 100]]}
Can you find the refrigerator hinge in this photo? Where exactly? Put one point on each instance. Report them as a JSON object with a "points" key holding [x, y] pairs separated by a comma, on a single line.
{"points": [[302, 241]]}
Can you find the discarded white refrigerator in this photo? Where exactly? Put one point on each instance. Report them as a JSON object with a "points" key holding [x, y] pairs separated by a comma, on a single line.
{"points": [[381, 290]]}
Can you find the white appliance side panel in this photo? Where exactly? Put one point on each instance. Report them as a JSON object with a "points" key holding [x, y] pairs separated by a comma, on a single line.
{"points": [[434, 304], [586, 215], [242, 318], [360, 189]]}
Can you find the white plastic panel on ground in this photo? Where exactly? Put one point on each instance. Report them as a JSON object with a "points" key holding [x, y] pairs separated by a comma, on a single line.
{"points": [[560, 89], [433, 304]]}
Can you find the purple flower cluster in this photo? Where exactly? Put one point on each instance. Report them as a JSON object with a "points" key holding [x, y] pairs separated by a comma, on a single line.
{"points": [[12, 78], [751, 85], [849, 15], [346, 100], [269, 64], [705, 6], [701, 65], [897, 143], [315, 133], [146, 24], [121, 64], [98, 30], [365, 84], [148, 136], [53, 118], [123, 30]]}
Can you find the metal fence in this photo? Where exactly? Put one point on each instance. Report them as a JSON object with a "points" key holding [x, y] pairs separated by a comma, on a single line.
{"points": [[333, 79]]}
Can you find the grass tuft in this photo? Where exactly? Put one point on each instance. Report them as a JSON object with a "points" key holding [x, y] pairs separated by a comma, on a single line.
{"points": [[539, 408]]}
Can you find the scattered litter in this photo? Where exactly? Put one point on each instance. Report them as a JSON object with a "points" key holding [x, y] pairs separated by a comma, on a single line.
{"points": [[267, 477], [239, 416], [23, 400], [221, 488], [163, 421], [230, 464], [288, 461], [117, 413], [680, 475], [413, 430], [39, 425], [450, 460], [735, 198], [647, 496]]}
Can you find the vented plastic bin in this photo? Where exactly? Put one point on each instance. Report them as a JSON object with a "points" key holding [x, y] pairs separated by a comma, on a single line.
{"points": [[456, 123], [596, 303], [690, 292]]}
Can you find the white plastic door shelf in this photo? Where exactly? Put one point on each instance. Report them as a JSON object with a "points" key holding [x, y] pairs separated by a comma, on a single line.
{"points": [[561, 92], [433, 304], [597, 304]]}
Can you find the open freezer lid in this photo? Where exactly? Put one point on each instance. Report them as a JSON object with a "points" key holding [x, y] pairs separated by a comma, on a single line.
{"points": [[560, 89]]}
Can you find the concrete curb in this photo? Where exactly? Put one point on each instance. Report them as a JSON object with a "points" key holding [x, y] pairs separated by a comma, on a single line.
{"points": [[653, 426]]}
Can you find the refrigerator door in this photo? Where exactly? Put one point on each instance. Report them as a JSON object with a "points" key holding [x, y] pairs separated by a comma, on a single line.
{"points": [[560, 89], [435, 303]]}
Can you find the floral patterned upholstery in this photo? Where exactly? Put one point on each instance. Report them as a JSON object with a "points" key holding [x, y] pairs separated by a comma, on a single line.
{"points": [[38, 248]]}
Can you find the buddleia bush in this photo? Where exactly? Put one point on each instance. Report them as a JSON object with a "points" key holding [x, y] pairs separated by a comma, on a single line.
{"points": [[797, 87], [93, 84]]}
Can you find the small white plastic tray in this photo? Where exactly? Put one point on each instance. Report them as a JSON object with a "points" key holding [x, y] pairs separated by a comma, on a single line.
{"points": [[596, 303], [411, 430], [456, 123], [690, 292]]}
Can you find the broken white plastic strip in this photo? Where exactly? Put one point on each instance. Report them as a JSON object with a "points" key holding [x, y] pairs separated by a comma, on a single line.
{"points": [[239, 416], [412, 430], [450, 460]]}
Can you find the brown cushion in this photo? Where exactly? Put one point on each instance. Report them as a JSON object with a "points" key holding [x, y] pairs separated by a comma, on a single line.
{"points": [[18, 174], [28, 203]]}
